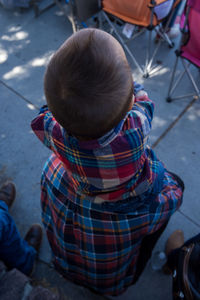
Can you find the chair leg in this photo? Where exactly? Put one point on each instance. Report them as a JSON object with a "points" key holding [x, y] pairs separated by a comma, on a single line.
{"points": [[72, 17], [165, 28], [191, 78], [172, 87], [122, 43], [148, 52], [100, 20], [169, 99], [150, 62]]}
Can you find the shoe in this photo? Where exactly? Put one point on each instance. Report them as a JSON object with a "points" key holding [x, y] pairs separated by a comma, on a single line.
{"points": [[176, 240], [8, 193], [34, 236]]}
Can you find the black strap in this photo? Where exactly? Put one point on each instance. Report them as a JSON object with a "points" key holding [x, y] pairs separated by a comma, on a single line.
{"points": [[186, 276]]}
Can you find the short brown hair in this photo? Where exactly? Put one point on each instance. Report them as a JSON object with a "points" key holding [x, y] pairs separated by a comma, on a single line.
{"points": [[88, 84]]}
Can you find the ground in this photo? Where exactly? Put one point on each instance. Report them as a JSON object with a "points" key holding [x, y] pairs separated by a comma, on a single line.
{"points": [[26, 44]]}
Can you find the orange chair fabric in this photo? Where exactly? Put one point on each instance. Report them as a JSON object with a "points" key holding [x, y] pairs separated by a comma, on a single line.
{"points": [[136, 12]]}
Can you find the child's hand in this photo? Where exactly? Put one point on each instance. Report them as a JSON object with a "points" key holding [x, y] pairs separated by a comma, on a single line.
{"points": [[141, 93], [137, 87], [139, 90]]}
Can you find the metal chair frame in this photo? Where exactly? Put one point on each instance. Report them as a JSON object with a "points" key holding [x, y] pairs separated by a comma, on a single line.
{"points": [[173, 84], [147, 70], [78, 21]]}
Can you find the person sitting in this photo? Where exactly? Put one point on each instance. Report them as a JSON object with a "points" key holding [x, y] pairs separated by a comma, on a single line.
{"points": [[15, 251]]}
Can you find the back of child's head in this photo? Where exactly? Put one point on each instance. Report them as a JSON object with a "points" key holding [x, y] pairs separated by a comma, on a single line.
{"points": [[88, 84]]}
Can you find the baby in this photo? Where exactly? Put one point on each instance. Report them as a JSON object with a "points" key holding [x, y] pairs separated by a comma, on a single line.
{"points": [[106, 198]]}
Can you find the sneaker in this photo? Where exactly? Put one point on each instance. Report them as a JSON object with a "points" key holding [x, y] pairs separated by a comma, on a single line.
{"points": [[8, 193], [34, 236]]}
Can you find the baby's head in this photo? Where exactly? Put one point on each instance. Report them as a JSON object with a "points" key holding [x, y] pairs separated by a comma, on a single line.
{"points": [[88, 84]]}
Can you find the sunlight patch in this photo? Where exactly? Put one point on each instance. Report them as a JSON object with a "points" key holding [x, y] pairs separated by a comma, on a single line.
{"points": [[3, 56], [31, 106], [21, 35], [158, 71], [14, 73], [192, 117], [158, 122], [14, 28], [39, 62]]}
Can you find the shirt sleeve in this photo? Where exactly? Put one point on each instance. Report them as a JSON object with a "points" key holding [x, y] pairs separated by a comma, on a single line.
{"points": [[141, 114], [137, 87], [46, 127], [165, 205]]}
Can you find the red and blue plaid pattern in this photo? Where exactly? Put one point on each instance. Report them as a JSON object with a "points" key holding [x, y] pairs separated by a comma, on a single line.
{"points": [[91, 245], [112, 168]]}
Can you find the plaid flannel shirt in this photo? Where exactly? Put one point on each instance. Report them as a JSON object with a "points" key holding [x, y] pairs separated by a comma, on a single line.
{"points": [[91, 244]]}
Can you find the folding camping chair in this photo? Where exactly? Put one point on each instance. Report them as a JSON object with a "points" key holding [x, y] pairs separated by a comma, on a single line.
{"points": [[189, 49], [140, 13], [137, 12]]}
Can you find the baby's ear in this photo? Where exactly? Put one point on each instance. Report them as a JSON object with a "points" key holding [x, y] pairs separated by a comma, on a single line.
{"points": [[131, 103]]}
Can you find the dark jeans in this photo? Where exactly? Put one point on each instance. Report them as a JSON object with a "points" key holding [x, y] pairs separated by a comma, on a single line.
{"points": [[14, 251], [146, 249]]}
